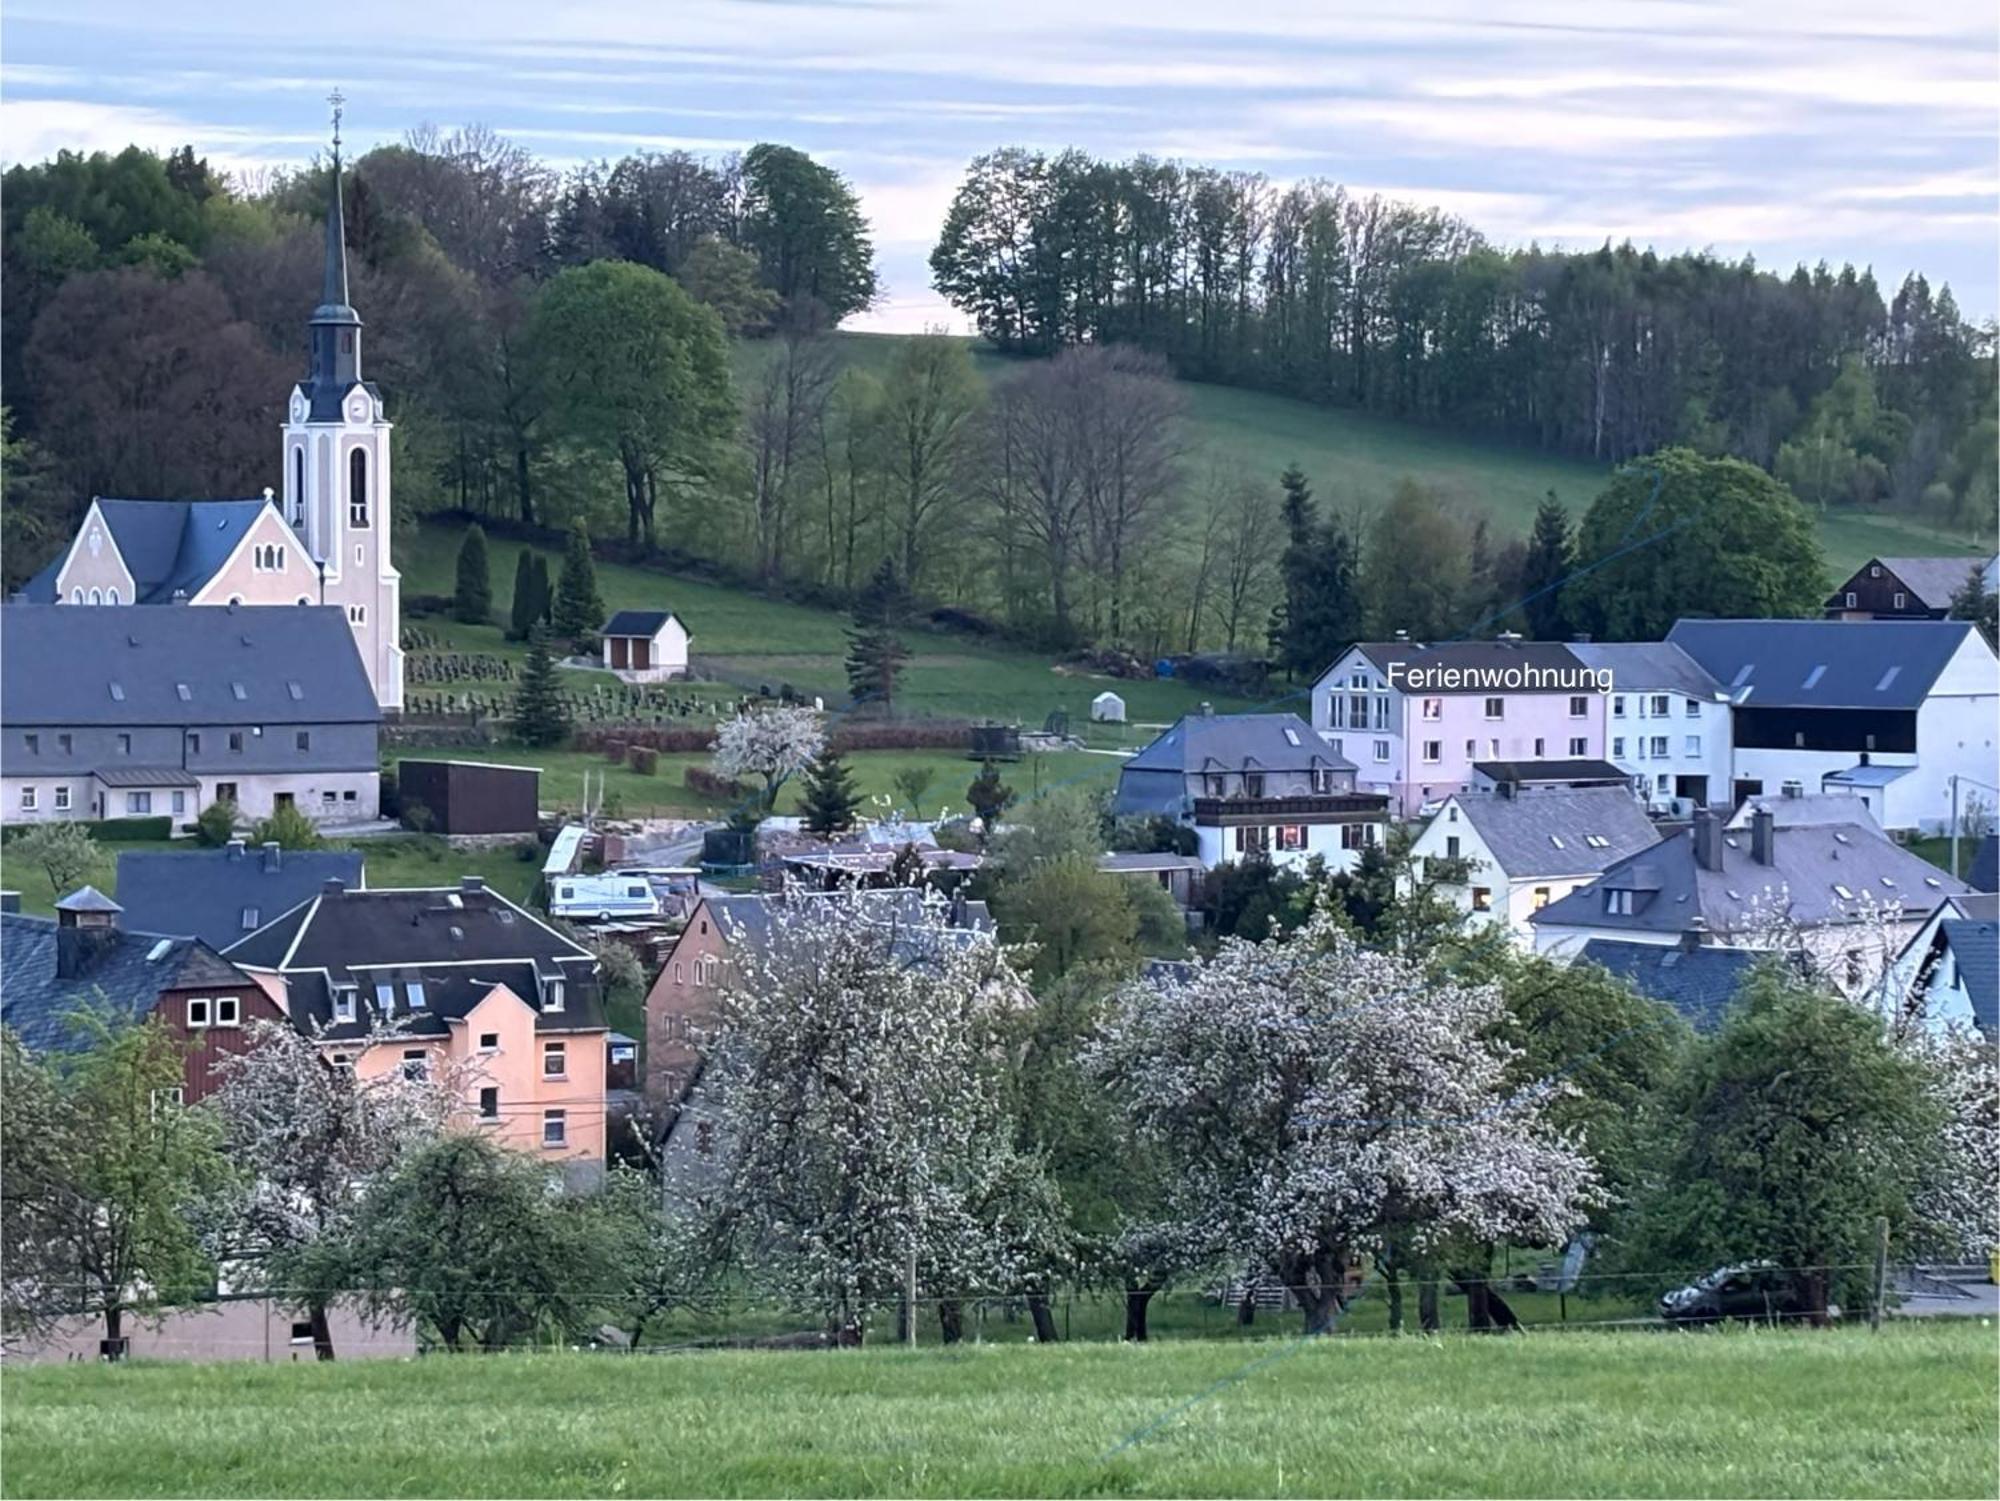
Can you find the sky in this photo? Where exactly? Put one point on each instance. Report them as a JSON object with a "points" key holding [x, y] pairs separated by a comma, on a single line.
{"points": [[1779, 128]]}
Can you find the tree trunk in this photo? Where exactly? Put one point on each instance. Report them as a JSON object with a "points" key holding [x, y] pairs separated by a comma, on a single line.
{"points": [[114, 1329], [1427, 1305], [523, 488], [1246, 1307], [1136, 1299], [904, 1314], [1045, 1319], [322, 1332], [951, 1320], [1393, 1281]]}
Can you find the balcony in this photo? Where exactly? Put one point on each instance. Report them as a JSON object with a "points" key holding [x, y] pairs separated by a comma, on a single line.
{"points": [[1303, 807]]}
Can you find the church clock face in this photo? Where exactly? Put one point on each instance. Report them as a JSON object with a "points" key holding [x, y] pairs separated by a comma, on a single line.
{"points": [[357, 407], [298, 407]]}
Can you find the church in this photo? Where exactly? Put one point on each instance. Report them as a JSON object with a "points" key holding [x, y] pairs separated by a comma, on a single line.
{"points": [[322, 540]]}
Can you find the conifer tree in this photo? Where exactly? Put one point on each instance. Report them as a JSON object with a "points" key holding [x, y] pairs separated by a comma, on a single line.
{"points": [[988, 795], [539, 716], [1320, 613], [521, 609], [578, 607], [1550, 561], [543, 596], [473, 600], [875, 649], [829, 796]]}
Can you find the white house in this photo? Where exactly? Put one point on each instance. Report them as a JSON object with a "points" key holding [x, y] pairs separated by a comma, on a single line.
{"points": [[1949, 971], [1669, 725], [1892, 710], [645, 646], [1524, 852]]}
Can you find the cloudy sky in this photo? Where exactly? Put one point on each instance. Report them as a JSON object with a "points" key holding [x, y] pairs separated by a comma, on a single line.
{"points": [[1790, 129]]}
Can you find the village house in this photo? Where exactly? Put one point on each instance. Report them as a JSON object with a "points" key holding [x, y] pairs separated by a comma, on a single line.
{"points": [[222, 895], [323, 541], [1949, 972], [1908, 588], [90, 961], [476, 987], [144, 713], [1668, 727], [1414, 718], [1902, 713], [1253, 786], [1520, 852], [1842, 893], [645, 646], [1700, 981]]}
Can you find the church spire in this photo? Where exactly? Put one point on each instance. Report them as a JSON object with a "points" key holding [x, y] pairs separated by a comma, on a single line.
{"points": [[335, 328], [333, 291]]}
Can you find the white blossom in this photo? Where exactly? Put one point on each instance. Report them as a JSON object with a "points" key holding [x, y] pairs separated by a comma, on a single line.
{"points": [[771, 743]]}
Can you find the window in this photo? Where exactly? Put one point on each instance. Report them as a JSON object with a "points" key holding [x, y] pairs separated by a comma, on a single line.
{"points": [[1381, 750], [304, 740], [704, 970], [65, 743], [1253, 784], [298, 485], [34, 743], [236, 741], [1541, 747], [1541, 897], [1322, 779], [343, 1003], [555, 1128], [357, 488], [96, 598], [1661, 782], [385, 999], [1382, 713], [555, 1061], [416, 1063], [1659, 747], [1661, 706], [124, 745], [489, 1042], [1451, 847], [1336, 711], [1901, 599], [76, 596], [1356, 836], [1694, 708], [194, 742], [1496, 708], [1253, 839], [302, 1332], [1433, 750], [28, 803], [250, 919], [1578, 745], [1357, 708], [489, 1104], [180, 801], [680, 973], [1492, 750], [343, 1060], [1579, 707], [1618, 747], [1694, 745], [415, 991], [198, 1011], [1851, 600], [1618, 706], [357, 614], [327, 796], [111, 596], [1482, 899], [1874, 572], [1618, 903], [1433, 708], [62, 799], [1472, 750], [349, 796], [1291, 836], [138, 802], [228, 1011]]}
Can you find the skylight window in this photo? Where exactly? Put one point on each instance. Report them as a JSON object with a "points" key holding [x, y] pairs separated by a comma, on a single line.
{"points": [[1813, 677], [1743, 674], [295, 690], [1291, 735], [1889, 882], [1888, 678], [239, 690], [1556, 840], [159, 951], [118, 693], [185, 693], [1933, 881], [1840, 838], [1842, 892]]}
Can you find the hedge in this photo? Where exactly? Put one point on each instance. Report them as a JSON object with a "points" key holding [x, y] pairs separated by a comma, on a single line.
{"points": [[713, 784], [160, 826]]}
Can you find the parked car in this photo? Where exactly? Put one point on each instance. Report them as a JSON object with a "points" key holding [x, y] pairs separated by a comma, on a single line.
{"points": [[1746, 1290]]}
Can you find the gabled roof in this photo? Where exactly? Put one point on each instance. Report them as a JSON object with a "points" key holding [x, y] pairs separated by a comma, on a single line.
{"points": [[168, 546], [1477, 657], [1932, 580], [1196, 743], [637, 623], [350, 930], [449, 996], [1823, 664], [220, 896], [751, 920], [1567, 832], [71, 665], [1648, 667], [1806, 808], [123, 981], [1700, 983], [1975, 948]]}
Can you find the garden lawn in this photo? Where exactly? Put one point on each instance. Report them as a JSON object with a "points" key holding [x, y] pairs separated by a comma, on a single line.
{"points": [[1909, 1412]]}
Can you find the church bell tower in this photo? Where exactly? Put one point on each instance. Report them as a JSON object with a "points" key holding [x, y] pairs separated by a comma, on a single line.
{"points": [[337, 477]]}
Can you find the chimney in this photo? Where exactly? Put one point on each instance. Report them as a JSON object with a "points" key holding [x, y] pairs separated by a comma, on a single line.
{"points": [[332, 887], [1707, 840], [1793, 789], [1691, 937], [235, 849], [1508, 636], [1763, 836], [1206, 710], [1402, 635], [274, 855], [10, 901], [1581, 638], [471, 885], [86, 930]]}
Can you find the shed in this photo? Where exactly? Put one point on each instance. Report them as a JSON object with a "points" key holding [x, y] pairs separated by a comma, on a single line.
{"points": [[1108, 708], [472, 797], [645, 646]]}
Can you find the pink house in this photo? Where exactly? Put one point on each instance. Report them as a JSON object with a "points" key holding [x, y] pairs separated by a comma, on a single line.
{"points": [[1414, 719]]}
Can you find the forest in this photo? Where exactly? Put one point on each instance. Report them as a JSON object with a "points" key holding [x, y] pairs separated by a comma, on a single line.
{"points": [[647, 346]]}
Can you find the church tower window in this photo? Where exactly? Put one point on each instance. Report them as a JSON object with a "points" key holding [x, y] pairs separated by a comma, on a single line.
{"points": [[298, 487], [357, 488]]}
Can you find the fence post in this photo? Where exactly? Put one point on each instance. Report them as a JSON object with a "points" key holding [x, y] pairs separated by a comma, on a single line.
{"points": [[1881, 1270], [910, 1292]]}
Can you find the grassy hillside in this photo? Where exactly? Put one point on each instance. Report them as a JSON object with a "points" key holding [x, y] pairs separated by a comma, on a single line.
{"points": [[1355, 459], [1909, 1412]]}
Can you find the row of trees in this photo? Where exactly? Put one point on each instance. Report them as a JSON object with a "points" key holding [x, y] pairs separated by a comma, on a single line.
{"points": [[1360, 300]]}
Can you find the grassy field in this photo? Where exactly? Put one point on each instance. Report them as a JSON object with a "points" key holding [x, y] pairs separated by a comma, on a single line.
{"points": [[1910, 1412]]}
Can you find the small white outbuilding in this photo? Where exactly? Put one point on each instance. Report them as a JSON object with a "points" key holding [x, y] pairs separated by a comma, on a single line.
{"points": [[1108, 708]]}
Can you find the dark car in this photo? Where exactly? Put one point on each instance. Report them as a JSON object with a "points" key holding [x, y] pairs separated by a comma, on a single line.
{"points": [[1747, 1290]]}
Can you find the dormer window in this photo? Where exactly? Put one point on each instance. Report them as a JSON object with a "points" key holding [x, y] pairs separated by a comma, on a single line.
{"points": [[1618, 903], [343, 1003], [552, 995], [385, 999], [414, 992]]}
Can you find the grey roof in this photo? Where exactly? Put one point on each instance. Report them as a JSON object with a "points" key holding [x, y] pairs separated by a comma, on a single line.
{"points": [[636, 622], [221, 895], [1472, 656], [1700, 983], [1807, 808], [1824, 664], [87, 899], [1865, 774], [167, 545], [1236, 742], [122, 982], [751, 919], [1583, 769], [294, 664], [1932, 580], [1133, 860], [146, 776], [1975, 946], [1573, 831], [1648, 667], [1809, 865], [1985, 872]]}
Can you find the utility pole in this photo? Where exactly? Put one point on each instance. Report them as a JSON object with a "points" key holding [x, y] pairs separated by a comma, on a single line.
{"points": [[1881, 1260], [910, 1296], [1954, 823]]}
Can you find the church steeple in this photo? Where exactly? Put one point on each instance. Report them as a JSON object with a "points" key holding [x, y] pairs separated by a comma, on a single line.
{"points": [[335, 329]]}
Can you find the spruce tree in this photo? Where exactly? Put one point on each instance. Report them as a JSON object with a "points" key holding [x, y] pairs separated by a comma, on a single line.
{"points": [[1550, 561], [521, 609], [473, 600], [829, 796], [988, 795], [543, 596], [1320, 613], [578, 607], [539, 716], [875, 649]]}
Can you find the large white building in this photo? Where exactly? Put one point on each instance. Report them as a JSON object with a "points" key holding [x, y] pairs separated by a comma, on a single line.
{"points": [[1668, 727]]}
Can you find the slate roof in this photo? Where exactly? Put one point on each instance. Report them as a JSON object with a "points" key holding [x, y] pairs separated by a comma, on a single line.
{"points": [[122, 983], [64, 665], [167, 545], [146, 776], [1932, 580], [636, 623], [1809, 862], [1975, 946], [1235, 742], [1555, 833], [1985, 872], [219, 896], [1648, 667], [1474, 656], [751, 919], [1823, 664], [1807, 808], [1700, 983], [1583, 769]]}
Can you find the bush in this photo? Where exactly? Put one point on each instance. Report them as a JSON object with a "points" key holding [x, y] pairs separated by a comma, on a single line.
{"points": [[161, 826], [678, 737], [714, 784], [416, 816], [288, 828], [216, 825], [614, 751], [643, 759]]}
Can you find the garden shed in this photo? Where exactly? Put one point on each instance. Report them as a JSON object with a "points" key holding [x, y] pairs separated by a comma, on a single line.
{"points": [[1107, 708]]}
